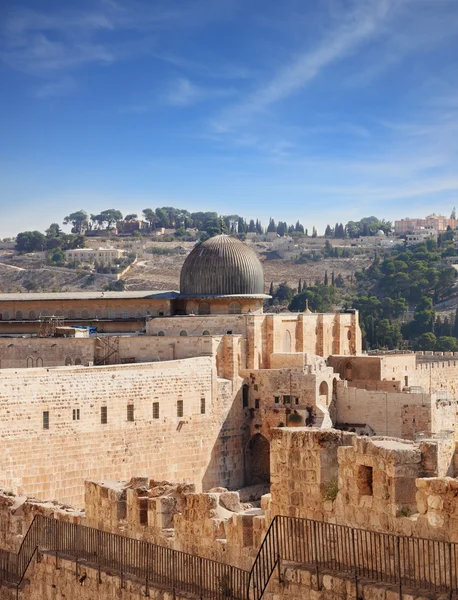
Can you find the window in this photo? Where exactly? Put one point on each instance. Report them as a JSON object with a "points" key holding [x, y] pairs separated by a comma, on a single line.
{"points": [[296, 400], [103, 415], [286, 399], [85, 314], [71, 314], [155, 410], [125, 314], [277, 399], [365, 480], [143, 511], [256, 387], [256, 403], [32, 315], [76, 414], [179, 408], [202, 406], [349, 334], [46, 419], [235, 308], [229, 332], [68, 361], [130, 412], [29, 362], [206, 332], [161, 333], [77, 361], [183, 333], [111, 314], [245, 391], [19, 316], [39, 362]]}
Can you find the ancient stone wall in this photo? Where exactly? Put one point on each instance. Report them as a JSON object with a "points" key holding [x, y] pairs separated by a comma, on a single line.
{"points": [[20, 353], [54, 434]]}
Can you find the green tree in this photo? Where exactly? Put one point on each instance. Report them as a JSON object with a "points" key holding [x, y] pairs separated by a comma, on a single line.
{"points": [[30, 241], [446, 343], [426, 341], [79, 221]]}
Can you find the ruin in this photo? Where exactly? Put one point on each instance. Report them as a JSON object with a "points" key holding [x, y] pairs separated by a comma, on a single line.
{"points": [[224, 452]]}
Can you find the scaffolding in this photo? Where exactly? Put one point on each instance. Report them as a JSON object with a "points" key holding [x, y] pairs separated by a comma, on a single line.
{"points": [[49, 324], [107, 350]]}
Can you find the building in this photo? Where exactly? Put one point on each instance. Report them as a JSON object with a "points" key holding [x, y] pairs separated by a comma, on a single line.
{"points": [[104, 256], [421, 234], [438, 223], [190, 444]]}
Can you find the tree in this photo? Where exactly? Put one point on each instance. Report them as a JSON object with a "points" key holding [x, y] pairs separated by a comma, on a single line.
{"points": [[150, 217], [299, 287], [252, 226], [326, 281], [111, 216], [284, 293], [53, 231], [30, 241], [299, 228], [333, 279], [455, 325], [79, 220], [271, 289], [427, 341], [328, 231], [340, 281], [314, 232], [131, 217], [272, 226], [446, 343], [453, 215]]}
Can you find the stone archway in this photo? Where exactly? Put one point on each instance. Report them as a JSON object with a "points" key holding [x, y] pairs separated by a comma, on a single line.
{"points": [[324, 392], [348, 371], [257, 460]]}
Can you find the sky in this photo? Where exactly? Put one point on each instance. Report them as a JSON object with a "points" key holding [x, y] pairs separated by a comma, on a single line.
{"points": [[319, 110]]}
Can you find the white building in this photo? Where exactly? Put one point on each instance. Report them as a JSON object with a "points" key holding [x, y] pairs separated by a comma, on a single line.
{"points": [[106, 256], [421, 234]]}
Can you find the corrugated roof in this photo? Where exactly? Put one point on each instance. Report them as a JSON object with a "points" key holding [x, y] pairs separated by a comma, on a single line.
{"points": [[142, 294]]}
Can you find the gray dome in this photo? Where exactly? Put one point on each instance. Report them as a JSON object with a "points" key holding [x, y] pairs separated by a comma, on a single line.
{"points": [[222, 266]]}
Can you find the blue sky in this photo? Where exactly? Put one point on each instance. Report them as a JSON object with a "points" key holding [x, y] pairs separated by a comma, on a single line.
{"points": [[322, 110]]}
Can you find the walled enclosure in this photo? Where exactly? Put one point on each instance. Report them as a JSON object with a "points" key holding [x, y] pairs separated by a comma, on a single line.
{"points": [[54, 436]]}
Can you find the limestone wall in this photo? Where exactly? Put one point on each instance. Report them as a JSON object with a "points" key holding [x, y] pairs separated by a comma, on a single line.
{"points": [[19, 353], [52, 463]]}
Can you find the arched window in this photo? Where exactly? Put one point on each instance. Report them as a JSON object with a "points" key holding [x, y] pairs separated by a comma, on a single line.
{"points": [[77, 361], [161, 333], [191, 308], [32, 315], [183, 333], [58, 313], [39, 362], [287, 342], [19, 316], [29, 362], [206, 332], [85, 314], [324, 392], [204, 308], [98, 314], [348, 371], [235, 308], [349, 334], [6, 315], [68, 361], [71, 314]]}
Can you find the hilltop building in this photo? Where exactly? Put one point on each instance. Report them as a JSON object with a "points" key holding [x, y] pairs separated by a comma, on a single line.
{"points": [[438, 223]]}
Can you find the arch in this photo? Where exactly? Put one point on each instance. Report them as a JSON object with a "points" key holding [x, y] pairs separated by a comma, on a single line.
{"points": [[349, 334], [204, 308], [183, 333], [257, 460], [235, 308], [68, 361], [71, 314], [85, 314], [160, 333], [58, 313], [98, 314], [77, 361], [348, 370], [192, 308], [32, 315], [206, 332], [287, 342], [19, 315], [5, 315], [30, 362], [324, 392], [245, 395], [39, 362]]}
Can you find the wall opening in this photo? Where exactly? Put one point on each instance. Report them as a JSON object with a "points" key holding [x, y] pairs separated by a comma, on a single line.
{"points": [[324, 392], [348, 371], [245, 393], [257, 460], [235, 308], [365, 475], [204, 308]]}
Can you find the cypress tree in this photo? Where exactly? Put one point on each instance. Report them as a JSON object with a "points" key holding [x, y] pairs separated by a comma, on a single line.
{"points": [[299, 287], [333, 281], [326, 282]]}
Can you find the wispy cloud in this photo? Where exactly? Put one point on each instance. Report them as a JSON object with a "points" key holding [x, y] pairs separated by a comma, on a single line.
{"points": [[359, 26], [59, 87], [183, 92]]}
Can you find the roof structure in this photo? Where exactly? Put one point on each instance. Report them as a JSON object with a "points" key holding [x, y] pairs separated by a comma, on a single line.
{"points": [[138, 295]]}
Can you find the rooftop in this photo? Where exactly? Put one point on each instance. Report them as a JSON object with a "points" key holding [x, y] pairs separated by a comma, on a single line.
{"points": [[142, 294]]}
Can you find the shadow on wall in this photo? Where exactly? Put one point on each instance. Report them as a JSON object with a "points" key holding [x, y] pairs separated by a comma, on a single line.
{"points": [[257, 460]]}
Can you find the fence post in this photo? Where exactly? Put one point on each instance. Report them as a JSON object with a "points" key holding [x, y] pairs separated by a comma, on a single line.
{"points": [[398, 552], [450, 594], [147, 571], [315, 549], [56, 543], [99, 545], [354, 562], [277, 546]]}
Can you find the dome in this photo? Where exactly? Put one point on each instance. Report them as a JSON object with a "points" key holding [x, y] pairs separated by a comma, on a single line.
{"points": [[380, 233], [222, 266]]}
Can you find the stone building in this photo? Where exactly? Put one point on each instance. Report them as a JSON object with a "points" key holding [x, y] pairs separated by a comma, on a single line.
{"points": [[149, 437]]}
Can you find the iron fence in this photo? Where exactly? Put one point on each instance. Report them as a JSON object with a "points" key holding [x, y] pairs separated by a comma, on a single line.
{"points": [[149, 563], [407, 562]]}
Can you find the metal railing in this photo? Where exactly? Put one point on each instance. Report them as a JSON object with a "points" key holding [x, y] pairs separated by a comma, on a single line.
{"points": [[149, 563], [406, 562]]}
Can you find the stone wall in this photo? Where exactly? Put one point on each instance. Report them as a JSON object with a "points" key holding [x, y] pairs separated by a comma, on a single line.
{"points": [[52, 463], [20, 353]]}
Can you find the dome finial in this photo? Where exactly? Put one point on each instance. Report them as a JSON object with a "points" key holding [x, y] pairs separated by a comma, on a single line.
{"points": [[307, 309]]}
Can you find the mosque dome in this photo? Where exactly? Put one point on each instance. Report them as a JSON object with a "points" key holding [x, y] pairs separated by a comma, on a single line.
{"points": [[222, 266]]}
